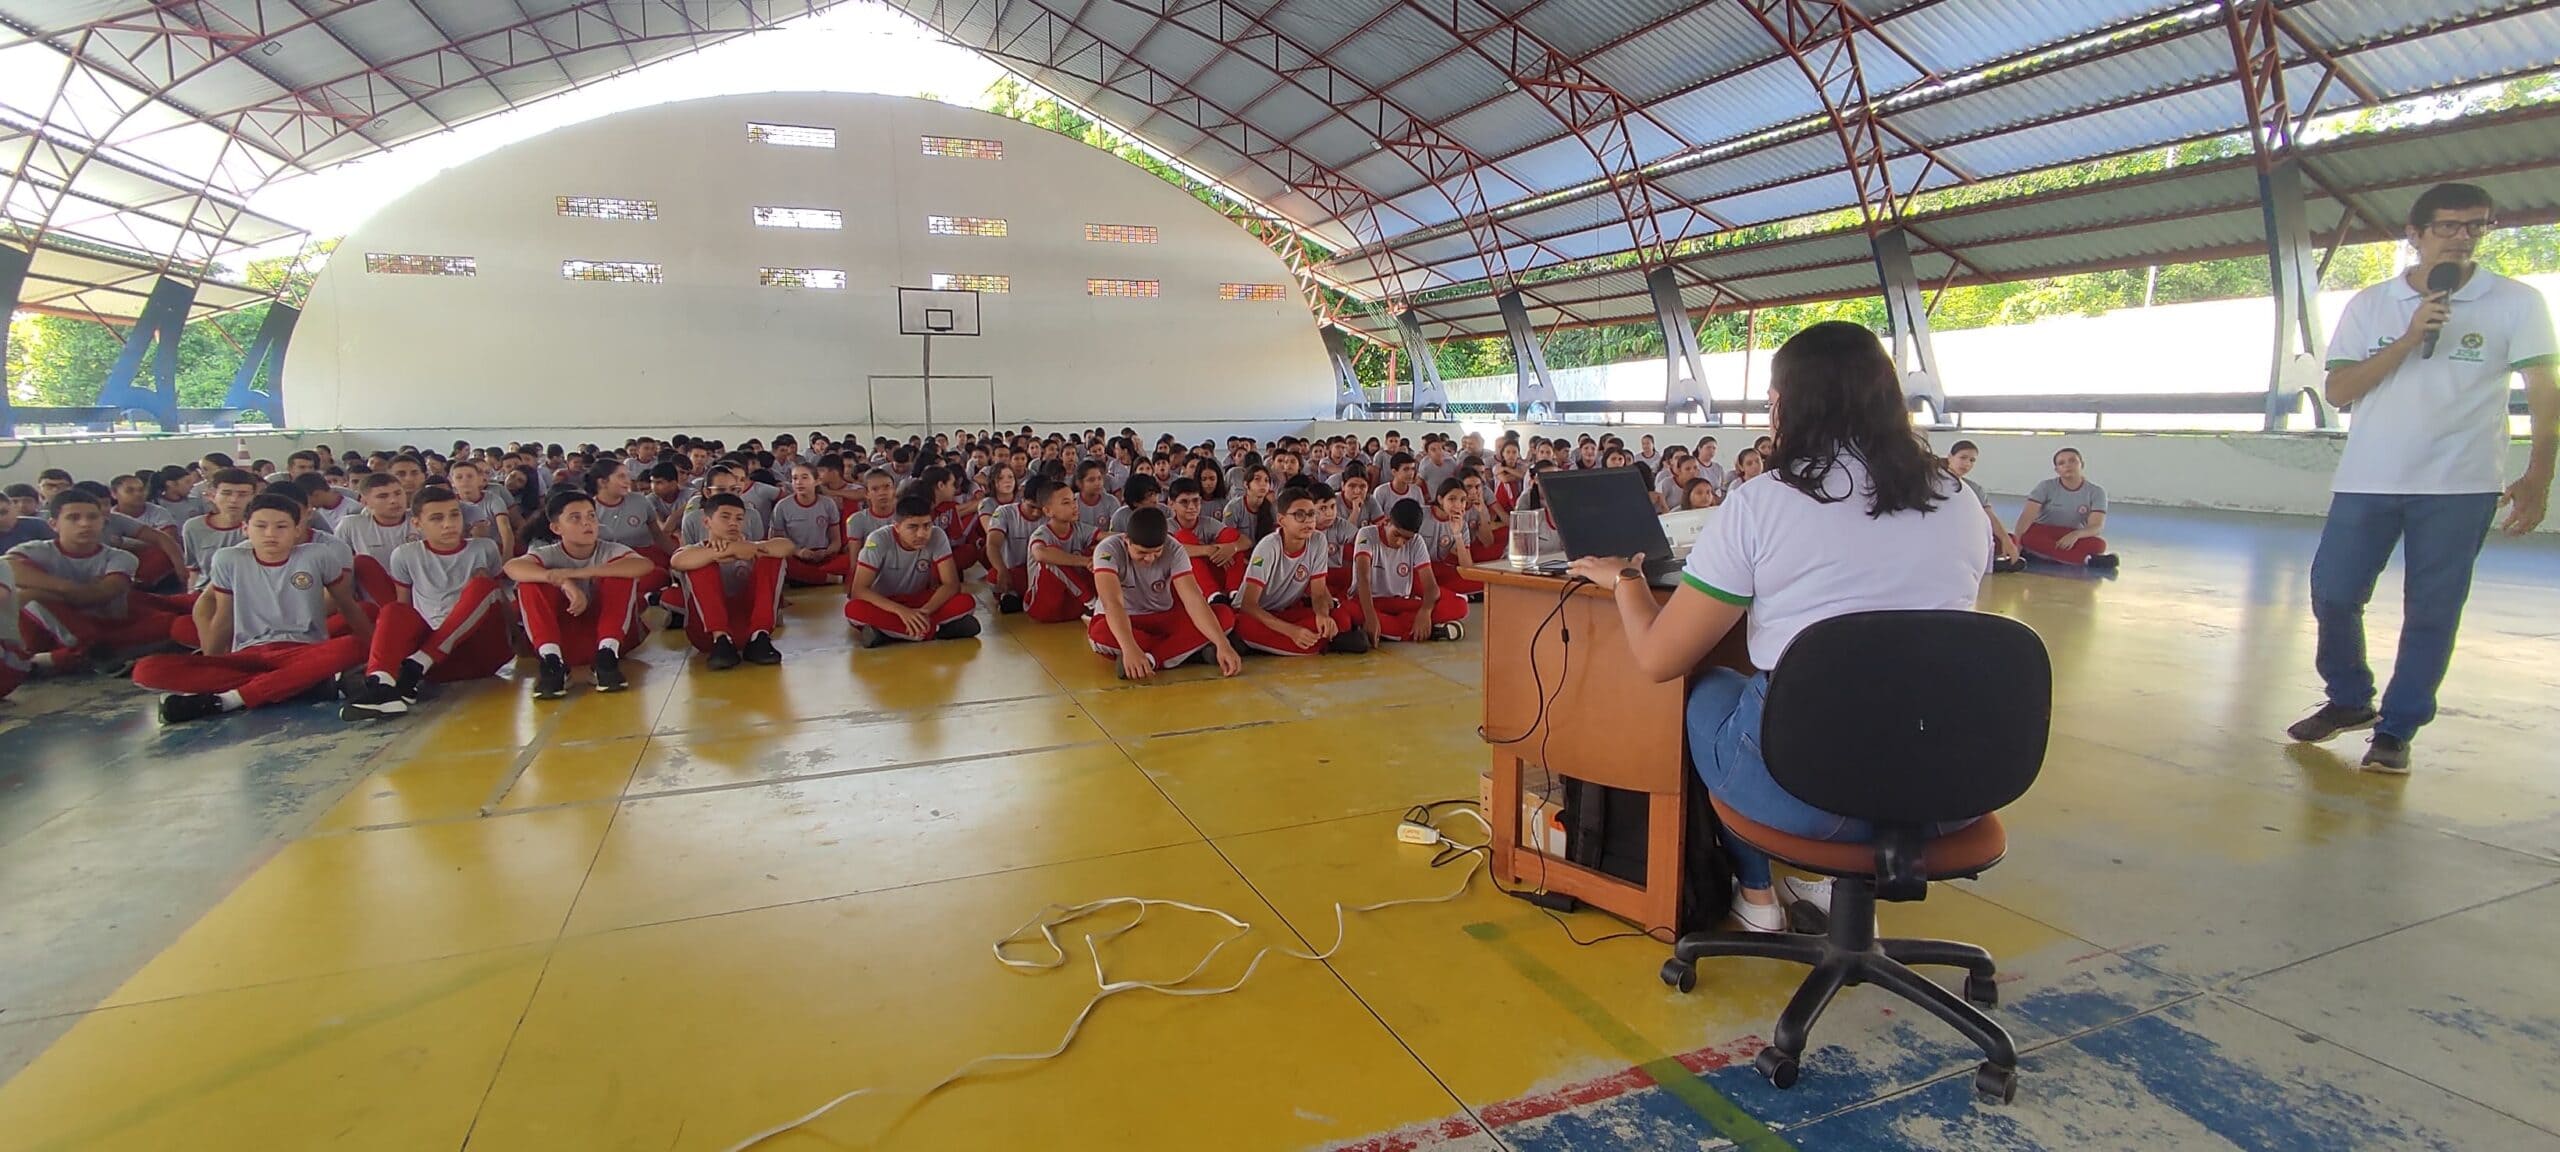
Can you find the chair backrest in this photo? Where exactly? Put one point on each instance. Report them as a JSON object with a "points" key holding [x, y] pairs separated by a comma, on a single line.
{"points": [[1908, 718]]}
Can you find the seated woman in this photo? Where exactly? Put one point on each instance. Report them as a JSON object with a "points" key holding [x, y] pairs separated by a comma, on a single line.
{"points": [[1857, 516], [2064, 515], [2004, 547]]}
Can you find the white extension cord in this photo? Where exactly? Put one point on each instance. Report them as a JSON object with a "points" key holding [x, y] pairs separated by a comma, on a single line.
{"points": [[1056, 916]]}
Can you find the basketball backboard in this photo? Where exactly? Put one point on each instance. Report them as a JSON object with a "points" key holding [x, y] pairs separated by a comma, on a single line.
{"points": [[937, 312]]}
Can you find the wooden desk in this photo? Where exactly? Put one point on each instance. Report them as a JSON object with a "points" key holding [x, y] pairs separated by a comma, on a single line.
{"points": [[1607, 723]]}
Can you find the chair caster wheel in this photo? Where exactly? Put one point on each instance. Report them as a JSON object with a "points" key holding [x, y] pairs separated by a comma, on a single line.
{"points": [[1781, 1069], [1681, 976], [1982, 990], [1995, 1083]]}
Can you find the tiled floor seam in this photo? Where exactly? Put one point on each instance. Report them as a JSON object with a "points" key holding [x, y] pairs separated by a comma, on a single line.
{"points": [[2448, 1089]]}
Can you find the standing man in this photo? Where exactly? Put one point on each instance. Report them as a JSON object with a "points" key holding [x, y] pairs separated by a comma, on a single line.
{"points": [[2426, 372]]}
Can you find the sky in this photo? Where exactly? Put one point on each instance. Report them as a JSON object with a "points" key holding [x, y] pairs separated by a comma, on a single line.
{"points": [[858, 47]]}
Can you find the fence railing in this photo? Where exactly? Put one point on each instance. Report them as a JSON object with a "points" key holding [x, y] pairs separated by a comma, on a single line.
{"points": [[2097, 406]]}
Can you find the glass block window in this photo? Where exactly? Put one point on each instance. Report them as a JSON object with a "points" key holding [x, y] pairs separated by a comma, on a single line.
{"points": [[971, 282], [1252, 292], [608, 208], [963, 226], [1119, 287], [410, 264], [792, 135], [964, 148], [611, 271], [824, 218], [801, 277], [1120, 233]]}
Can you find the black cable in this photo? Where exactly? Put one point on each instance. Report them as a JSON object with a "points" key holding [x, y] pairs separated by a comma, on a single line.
{"points": [[1537, 681]]}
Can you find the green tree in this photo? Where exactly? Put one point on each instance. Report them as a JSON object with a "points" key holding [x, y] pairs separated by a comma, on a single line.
{"points": [[58, 361]]}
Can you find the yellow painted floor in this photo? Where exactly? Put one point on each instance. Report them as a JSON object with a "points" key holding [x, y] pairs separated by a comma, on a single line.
{"points": [[670, 918]]}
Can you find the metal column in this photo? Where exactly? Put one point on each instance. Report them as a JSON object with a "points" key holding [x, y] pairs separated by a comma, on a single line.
{"points": [[163, 320], [1428, 393], [265, 349], [1348, 403], [1685, 384], [1533, 396], [13, 276], [1915, 357], [2293, 268]]}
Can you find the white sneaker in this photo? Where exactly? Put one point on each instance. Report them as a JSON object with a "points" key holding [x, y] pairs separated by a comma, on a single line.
{"points": [[1759, 917], [1814, 892]]}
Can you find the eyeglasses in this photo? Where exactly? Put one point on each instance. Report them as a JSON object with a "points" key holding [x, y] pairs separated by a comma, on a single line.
{"points": [[1307, 514], [2448, 229]]}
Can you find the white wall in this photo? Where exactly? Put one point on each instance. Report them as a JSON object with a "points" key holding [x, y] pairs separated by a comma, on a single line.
{"points": [[710, 347], [99, 459], [2238, 471]]}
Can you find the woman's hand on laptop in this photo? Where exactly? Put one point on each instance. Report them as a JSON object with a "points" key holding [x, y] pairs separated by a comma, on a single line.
{"points": [[1603, 571]]}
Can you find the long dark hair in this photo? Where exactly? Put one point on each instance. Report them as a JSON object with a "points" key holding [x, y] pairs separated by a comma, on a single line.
{"points": [[1837, 396]]}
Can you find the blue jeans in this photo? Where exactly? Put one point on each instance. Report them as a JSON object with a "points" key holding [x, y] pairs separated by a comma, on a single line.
{"points": [[2443, 535], [1724, 747]]}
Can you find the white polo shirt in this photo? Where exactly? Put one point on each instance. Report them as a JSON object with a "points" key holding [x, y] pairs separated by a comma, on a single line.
{"points": [[2438, 426]]}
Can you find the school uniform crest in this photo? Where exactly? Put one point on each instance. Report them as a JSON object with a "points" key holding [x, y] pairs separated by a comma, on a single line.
{"points": [[302, 581]]}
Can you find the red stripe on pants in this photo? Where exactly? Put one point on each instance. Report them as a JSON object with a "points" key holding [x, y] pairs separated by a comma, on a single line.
{"points": [[871, 615], [1262, 637], [1167, 636], [374, 581], [262, 675], [470, 644], [1059, 595], [2046, 540], [1446, 572], [716, 613], [803, 574], [612, 613], [1396, 613]]}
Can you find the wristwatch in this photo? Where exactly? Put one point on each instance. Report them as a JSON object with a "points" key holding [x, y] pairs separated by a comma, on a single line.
{"points": [[1630, 572]]}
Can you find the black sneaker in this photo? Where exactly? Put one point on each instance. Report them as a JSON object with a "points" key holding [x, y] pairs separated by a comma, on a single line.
{"points": [[1351, 643], [552, 682], [760, 650], [180, 707], [608, 669], [373, 700], [2325, 724], [2012, 564], [1449, 631], [1008, 604], [2388, 754], [412, 674], [723, 655], [960, 629], [1475, 597], [2103, 562], [874, 637]]}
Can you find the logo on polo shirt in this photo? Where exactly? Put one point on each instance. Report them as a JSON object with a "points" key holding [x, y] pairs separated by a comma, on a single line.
{"points": [[2470, 350], [302, 581]]}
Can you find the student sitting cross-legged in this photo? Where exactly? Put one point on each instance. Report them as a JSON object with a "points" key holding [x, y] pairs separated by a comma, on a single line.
{"points": [[448, 621], [813, 526], [1392, 579], [76, 596], [1285, 608], [905, 585], [579, 595], [1154, 615], [266, 635], [1009, 530], [1217, 551], [1061, 574], [733, 585], [381, 528]]}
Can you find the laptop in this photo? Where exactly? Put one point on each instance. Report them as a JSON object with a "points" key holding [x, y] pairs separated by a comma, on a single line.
{"points": [[1608, 512]]}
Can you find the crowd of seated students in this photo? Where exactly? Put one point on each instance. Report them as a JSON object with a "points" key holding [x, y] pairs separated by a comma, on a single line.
{"points": [[228, 587]]}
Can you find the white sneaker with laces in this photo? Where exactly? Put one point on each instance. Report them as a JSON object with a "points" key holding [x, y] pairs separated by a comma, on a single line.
{"points": [[1814, 892], [1759, 917]]}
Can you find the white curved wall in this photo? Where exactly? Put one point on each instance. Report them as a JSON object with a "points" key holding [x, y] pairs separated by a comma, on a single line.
{"points": [[518, 346]]}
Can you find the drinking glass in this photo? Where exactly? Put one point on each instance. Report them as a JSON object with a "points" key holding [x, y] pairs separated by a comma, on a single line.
{"points": [[1525, 527]]}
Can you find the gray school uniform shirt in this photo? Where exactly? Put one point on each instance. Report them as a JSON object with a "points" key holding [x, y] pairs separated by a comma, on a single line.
{"points": [[1434, 474], [806, 525], [1017, 524], [48, 557], [694, 532], [199, 539], [435, 579], [1097, 514], [862, 522], [1144, 588], [898, 570], [2064, 508], [284, 604], [627, 523], [1284, 577], [1390, 569], [370, 537]]}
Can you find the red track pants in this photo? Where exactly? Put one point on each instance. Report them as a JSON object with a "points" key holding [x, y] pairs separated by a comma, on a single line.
{"points": [[713, 612], [72, 632], [263, 675], [1446, 572], [1262, 637], [374, 582], [471, 644], [613, 613], [2045, 540], [152, 567], [1214, 578], [1396, 613], [871, 615], [1059, 595], [1016, 581], [1167, 636], [659, 577], [803, 574]]}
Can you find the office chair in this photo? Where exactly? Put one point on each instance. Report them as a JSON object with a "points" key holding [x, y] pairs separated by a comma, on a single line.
{"points": [[1907, 720]]}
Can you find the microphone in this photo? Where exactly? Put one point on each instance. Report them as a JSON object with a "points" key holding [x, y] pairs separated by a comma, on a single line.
{"points": [[2443, 277]]}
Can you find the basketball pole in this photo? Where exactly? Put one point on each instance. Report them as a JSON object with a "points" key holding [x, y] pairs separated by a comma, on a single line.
{"points": [[928, 387]]}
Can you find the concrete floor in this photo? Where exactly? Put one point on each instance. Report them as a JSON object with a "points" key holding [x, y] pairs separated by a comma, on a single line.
{"points": [[671, 918]]}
